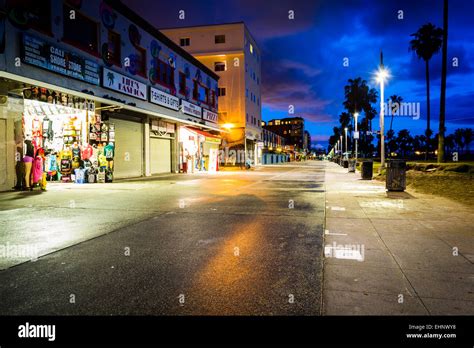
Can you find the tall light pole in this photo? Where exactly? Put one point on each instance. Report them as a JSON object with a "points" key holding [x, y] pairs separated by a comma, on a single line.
{"points": [[345, 129], [340, 143], [356, 135], [382, 76]]}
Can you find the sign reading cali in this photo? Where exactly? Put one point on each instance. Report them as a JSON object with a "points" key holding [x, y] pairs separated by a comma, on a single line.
{"points": [[123, 84], [47, 56]]}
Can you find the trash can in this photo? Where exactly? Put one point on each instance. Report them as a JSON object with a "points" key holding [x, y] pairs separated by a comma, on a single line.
{"points": [[352, 166], [395, 178], [346, 163], [366, 169]]}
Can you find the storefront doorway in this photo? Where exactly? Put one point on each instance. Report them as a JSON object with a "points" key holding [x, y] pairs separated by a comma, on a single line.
{"points": [[199, 150]]}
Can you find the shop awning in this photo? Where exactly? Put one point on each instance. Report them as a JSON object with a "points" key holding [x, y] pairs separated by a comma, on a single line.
{"points": [[212, 138], [106, 101]]}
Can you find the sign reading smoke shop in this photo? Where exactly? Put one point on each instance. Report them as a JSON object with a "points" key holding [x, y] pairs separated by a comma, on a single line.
{"points": [[53, 58], [123, 84], [209, 116], [163, 99], [191, 109]]}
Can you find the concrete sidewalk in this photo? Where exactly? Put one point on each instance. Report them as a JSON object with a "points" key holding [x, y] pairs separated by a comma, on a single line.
{"points": [[395, 253]]}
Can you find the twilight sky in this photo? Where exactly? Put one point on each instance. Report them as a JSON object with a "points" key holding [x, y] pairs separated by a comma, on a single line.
{"points": [[302, 59]]}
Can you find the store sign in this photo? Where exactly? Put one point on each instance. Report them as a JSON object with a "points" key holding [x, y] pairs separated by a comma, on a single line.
{"points": [[123, 84], [191, 109], [50, 57], [209, 116], [163, 99]]}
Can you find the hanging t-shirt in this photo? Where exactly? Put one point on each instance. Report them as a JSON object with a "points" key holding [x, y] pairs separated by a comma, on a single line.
{"points": [[76, 153], [102, 161], [86, 152], [109, 151]]}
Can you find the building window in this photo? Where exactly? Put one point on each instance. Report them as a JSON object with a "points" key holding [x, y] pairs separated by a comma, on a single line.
{"points": [[277, 122], [219, 39], [38, 12], [113, 48], [200, 92], [186, 41], [141, 61], [182, 83], [81, 32], [219, 66], [221, 91], [246, 93], [165, 74]]}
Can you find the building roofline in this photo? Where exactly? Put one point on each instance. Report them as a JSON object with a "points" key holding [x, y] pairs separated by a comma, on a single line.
{"points": [[286, 118], [134, 17], [203, 25], [216, 25]]}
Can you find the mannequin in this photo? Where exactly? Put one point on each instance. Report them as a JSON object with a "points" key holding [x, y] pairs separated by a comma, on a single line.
{"points": [[38, 168], [28, 161]]}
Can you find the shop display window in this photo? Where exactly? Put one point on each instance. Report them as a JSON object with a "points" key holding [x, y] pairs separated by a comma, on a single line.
{"points": [[68, 138]]}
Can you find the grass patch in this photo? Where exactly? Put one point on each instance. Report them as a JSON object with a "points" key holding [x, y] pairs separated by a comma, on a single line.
{"points": [[451, 180]]}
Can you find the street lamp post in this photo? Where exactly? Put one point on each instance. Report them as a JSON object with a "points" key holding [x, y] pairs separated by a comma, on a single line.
{"points": [[356, 135], [382, 76], [345, 129], [340, 144]]}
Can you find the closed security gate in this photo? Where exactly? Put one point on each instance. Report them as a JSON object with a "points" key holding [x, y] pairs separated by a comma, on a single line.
{"points": [[128, 148], [160, 155]]}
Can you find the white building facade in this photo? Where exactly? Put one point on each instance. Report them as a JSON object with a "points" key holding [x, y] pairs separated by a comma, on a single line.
{"points": [[233, 54]]}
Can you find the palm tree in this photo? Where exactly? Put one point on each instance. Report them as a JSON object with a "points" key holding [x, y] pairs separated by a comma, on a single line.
{"points": [[467, 136], [359, 98], [396, 103], [404, 142], [427, 41], [449, 143], [459, 138], [442, 99]]}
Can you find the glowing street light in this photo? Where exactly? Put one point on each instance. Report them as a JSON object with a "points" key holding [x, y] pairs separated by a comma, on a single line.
{"points": [[228, 125]]}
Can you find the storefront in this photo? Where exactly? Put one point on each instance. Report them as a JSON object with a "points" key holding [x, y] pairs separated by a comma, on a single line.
{"points": [[199, 150], [162, 143], [61, 138], [129, 77]]}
